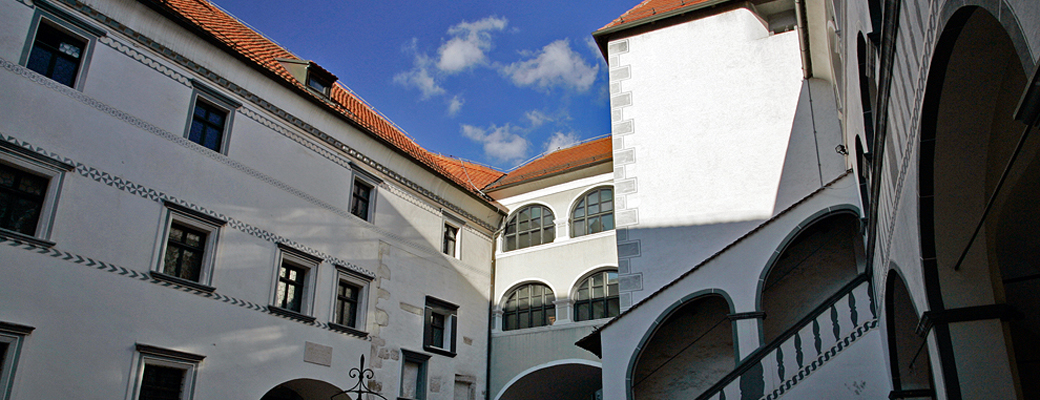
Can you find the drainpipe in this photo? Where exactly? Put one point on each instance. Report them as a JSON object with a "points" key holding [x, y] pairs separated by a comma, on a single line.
{"points": [[491, 309], [803, 38]]}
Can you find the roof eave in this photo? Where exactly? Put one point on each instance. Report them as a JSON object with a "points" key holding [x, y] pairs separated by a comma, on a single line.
{"points": [[601, 35], [546, 176], [167, 12]]}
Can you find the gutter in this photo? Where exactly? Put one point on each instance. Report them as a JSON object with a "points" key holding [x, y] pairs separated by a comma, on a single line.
{"points": [[803, 38]]}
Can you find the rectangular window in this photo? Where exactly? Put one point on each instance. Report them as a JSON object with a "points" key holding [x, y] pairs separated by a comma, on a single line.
{"points": [[291, 283], [347, 297], [349, 307], [162, 383], [11, 336], [56, 54], [164, 374], [440, 328], [187, 247], [22, 195], [29, 186], [294, 282], [413, 375], [360, 199], [207, 125], [450, 240]]}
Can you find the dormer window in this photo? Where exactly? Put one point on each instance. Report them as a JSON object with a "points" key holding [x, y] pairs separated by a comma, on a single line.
{"points": [[318, 84]]}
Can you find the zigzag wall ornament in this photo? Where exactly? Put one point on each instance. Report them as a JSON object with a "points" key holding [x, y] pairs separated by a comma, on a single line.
{"points": [[159, 197], [144, 277], [258, 101], [184, 142]]}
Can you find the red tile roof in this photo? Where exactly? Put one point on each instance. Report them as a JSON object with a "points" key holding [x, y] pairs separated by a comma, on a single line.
{"points": [[650, 8], [479, 175], [580, 156], [264, 52]]}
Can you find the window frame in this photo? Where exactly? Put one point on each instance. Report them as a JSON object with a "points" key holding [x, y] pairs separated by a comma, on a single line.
{"points": [[360, 327], [12, 335], [152, 355], [363, 177], [451, 221], [605, 299], [514, 220], [177, 214], [309, 264], [61, 20], [54, 171], [420, 381], [215, 99], [545, 307], [584, 203], [449, 313]]}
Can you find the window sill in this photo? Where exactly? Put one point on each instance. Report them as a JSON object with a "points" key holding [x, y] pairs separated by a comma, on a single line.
{"points": [[159, 276], [21, 237], [348, 330], [289, 313], [438, 350]]}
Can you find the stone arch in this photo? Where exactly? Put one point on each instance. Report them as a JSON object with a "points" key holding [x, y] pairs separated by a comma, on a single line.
{"points": [[909, 360], [817, 259], [698, 325], [302, 389], [568, 379], [978, 274]]}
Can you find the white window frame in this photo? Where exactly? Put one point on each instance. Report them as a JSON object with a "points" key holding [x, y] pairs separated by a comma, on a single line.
{"points": [[216, 99], [310, 266], [360, 327], [152, 355], [69, 24], [193, 219], [13, 335], [449, 219], [366, 178], [54, 171]]}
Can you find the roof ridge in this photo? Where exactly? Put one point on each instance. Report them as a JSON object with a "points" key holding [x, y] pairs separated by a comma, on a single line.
{"points": [[548, 152]]}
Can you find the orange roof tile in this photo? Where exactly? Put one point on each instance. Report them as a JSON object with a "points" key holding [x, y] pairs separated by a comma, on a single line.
{"points": [[479, 175], [651, 8], [264, 52], [582, 155]]}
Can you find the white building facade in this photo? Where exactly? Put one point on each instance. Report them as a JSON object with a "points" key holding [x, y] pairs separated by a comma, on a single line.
{"points": [[189, 216]]}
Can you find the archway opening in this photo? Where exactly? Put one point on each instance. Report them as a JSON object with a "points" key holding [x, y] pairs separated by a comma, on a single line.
{"points": [[302, 389], [968, 136], [814, 266], [908, 354], [690, 351], [571, 381]]}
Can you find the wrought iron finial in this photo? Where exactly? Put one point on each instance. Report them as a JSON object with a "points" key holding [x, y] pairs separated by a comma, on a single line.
{"points": [[360, 389]]}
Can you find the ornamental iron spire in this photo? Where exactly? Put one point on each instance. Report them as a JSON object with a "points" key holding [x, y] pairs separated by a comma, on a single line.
{"points": [[360, 389]]}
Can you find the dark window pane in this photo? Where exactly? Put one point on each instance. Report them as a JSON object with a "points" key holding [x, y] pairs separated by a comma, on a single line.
{"points": [[538, 318], [583, 312], [613, 307], [606, 195], [594, 225], [525, 320], [21, 199], [161, 383], [598, 310], [579, 227], [524, 240], [607, 221], [510, 243]]}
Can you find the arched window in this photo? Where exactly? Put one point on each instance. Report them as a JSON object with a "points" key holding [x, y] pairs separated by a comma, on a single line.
{"points": [[531, 226], [594, 213], [597, 297], [529, 306]]}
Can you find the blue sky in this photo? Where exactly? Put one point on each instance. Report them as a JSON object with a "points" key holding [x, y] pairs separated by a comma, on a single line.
{"points": [[489, 81]]}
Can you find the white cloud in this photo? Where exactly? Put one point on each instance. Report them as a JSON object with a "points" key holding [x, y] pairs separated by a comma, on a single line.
{"points": [[469, 42], [455, 104], [419, 77], [555, 65], [560, 140], [500, 142], [537, 118]]}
